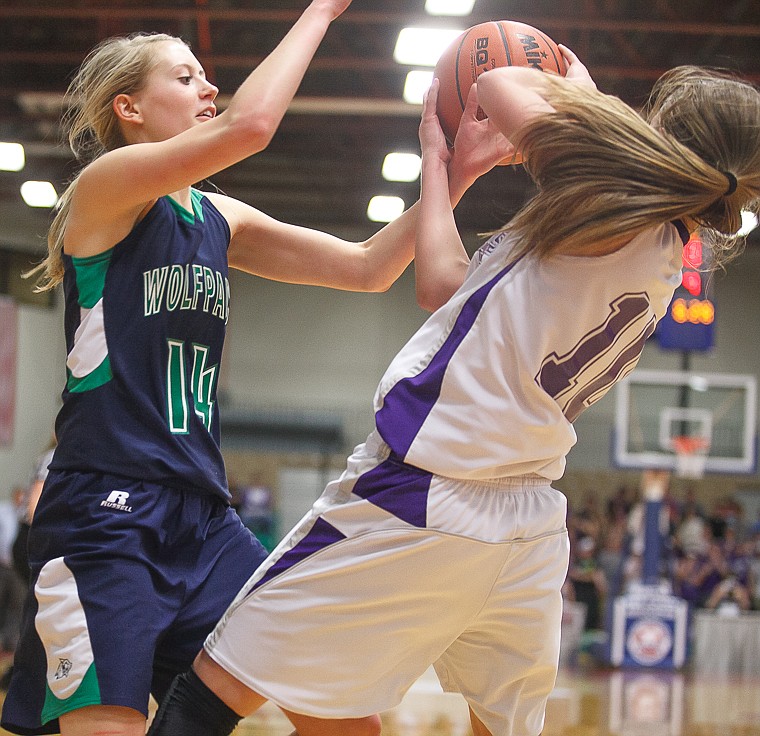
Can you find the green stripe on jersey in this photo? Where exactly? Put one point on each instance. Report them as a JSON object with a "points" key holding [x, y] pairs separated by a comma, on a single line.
{"points": [[88, 693], [91, 277], [102, 374], [90, 273], [183, 214]]}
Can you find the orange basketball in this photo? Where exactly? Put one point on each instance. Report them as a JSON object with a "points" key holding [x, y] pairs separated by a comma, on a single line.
{"points": [[483, 47]]}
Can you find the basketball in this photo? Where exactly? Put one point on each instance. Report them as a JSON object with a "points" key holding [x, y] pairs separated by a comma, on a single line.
{"points": [[488, 46]]}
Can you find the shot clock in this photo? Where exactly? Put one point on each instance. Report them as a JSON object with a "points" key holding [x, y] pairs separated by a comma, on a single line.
{"points": [[688, 323]]}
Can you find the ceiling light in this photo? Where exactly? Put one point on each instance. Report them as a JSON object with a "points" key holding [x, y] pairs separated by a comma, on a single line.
{"points": [[11, 157], [423, 46], [749, 223], [385, 209], [417, 83], [449, 7], [401, 167], [39, 193]]}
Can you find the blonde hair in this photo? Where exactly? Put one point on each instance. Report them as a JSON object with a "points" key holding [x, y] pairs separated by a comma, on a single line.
{"points": [[606, 173], [116, 66]]}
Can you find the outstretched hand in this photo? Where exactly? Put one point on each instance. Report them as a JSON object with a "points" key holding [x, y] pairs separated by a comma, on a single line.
{"points": [[432, 139]]}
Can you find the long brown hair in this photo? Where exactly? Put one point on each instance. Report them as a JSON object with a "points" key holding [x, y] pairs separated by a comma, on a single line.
{"points": [[606, 173], [116, 66]]}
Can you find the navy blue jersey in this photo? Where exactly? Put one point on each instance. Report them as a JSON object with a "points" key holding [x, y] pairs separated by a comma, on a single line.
{"points": [[145, 324]]}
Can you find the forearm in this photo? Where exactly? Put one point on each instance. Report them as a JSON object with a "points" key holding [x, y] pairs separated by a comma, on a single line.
{"points": [[512, 96], [269, 89], [390, 250], [440, 258]]}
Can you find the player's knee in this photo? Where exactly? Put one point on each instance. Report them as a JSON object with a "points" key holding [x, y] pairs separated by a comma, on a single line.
{"points": [[190, 708], [478, 727], [311, 726], [370, 726], [93, 719]]}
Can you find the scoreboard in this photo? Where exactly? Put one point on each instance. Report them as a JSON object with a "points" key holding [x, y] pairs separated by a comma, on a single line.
{"points": [[689, 321]]}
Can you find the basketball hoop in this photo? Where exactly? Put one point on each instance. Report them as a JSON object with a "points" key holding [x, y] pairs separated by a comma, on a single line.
{"points": [[691, 455]]}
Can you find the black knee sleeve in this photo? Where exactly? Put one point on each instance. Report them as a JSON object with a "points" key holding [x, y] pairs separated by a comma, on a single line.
{"points": [[191, 709]]}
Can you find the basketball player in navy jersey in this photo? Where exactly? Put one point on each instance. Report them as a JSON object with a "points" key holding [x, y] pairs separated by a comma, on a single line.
{"points": [[443, 543], [135, 551]]}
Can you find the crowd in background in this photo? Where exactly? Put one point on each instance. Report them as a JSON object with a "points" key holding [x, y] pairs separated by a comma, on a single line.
{"points": [[710, 556]]}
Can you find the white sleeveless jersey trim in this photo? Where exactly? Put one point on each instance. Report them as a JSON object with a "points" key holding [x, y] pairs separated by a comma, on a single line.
{"points": [[90, 347], [449, 402]]}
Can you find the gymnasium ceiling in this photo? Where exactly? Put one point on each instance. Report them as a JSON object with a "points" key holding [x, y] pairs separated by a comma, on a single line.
{"points": [[325, 161]]}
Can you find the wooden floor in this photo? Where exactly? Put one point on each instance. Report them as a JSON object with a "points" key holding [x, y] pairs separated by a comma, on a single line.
{"points": [[588, 703], [584, 703]]}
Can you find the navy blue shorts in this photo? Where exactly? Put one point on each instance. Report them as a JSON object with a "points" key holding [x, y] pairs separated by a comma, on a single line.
{"points": [[128, 579]]}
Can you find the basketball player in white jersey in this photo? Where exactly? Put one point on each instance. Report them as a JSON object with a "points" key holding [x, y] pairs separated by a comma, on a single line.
{"points": [[443, 543]]}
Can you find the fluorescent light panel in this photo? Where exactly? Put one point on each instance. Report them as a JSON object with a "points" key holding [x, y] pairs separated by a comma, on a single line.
{"points": [[39, 193], [449, 7], [385, 209], [11, 156], [417, 82], [401, 167], [423, 46]]}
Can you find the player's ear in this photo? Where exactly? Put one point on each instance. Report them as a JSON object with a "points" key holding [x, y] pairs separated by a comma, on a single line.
{"points": [[126, 109]]}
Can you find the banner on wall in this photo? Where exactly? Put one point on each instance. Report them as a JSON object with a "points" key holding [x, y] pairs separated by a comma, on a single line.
{"points": [[8, 351]]}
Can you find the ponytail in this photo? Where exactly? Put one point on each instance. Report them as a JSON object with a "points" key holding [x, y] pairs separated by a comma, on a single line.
{"points": [[605, 174]]}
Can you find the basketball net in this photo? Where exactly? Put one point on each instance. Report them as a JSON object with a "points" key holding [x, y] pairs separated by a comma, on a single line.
{"points": [[691, 455]]}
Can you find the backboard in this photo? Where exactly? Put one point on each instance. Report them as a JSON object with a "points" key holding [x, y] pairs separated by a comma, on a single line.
{"points": [[655, 408]]}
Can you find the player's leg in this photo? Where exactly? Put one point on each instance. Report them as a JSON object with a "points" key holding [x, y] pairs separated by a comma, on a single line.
{"points": [[222, 563], [505, 663], [240, 699], [207, 701], [478, 727], [308, 726], [95, 720], [234, 693], [94, 611], [211, 706]]}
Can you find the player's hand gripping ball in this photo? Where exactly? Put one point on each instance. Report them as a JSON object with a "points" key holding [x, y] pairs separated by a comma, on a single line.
{"points": [[484, 47]]}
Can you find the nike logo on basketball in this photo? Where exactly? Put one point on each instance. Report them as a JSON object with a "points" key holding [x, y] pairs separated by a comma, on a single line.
{"points": [[117, 500]]}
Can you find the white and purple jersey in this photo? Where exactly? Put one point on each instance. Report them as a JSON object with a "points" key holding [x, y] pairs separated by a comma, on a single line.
{"points": [[489, 386]]}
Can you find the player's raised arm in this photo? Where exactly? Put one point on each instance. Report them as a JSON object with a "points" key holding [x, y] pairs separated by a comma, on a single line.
{"points": [[440, 258], [177, 139], [512, 96]]}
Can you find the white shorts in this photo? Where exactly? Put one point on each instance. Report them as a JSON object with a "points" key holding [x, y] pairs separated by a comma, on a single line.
{"points": [[395, 569]]}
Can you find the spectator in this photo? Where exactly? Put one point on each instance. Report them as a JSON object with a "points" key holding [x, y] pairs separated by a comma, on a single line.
{"points": [[753, 550], [588, 519], [620, 503], [729, 596], [611, 555], [690, 536], [588, 581], [686, 583], [712, 568], [12, 586]]}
